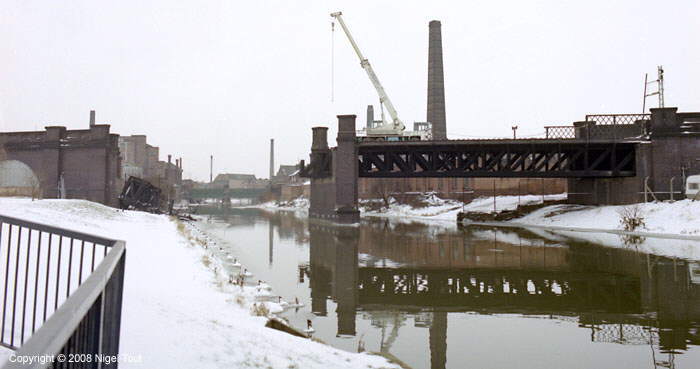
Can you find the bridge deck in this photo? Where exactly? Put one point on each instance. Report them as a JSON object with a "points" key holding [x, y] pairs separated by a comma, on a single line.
{"points": [[498, 158]]}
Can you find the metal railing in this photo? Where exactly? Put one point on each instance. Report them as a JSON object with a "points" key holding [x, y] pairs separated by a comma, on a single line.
{"points": [[560, 132], [614, 119], [61, 294], [601, 126]]}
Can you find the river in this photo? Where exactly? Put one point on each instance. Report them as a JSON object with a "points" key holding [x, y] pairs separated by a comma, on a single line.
{"points": [[438, 296]]}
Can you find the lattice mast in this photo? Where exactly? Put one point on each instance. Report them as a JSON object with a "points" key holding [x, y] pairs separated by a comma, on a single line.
{"points": [[659, 81]]}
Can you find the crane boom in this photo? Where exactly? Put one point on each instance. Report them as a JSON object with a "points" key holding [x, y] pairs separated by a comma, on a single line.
{"points": [[397, 124]]}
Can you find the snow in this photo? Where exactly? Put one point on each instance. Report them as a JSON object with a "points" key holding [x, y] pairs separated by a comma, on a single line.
{"points": [[446, 209], [436, 208], [180, 311], [662, 219], [680, 217]]}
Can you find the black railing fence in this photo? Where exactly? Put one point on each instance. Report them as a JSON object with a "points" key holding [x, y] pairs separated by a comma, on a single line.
{"points": [[61, 292], [615, 119], [602, 126]]}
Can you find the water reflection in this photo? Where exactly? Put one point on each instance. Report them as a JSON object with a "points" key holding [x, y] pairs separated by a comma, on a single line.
{"points": [[620, 295], [447, 298]]}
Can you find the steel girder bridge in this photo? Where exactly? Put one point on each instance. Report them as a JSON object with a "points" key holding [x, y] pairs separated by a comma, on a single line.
{"points": [[498, 158], [221, 193]]}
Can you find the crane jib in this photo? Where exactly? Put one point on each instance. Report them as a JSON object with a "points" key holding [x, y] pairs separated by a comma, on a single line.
{"points": [[364, 62]]}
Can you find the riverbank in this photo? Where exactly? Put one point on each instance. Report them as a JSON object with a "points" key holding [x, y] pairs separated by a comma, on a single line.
{"points": [[426, 207], [672, 218], [179, 308]]}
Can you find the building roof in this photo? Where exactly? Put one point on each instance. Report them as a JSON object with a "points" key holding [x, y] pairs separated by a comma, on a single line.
{"points": [[234, 176], [287, 170]]}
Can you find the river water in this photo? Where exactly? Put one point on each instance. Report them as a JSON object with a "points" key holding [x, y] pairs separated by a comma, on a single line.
{"points": [[437, 296]]}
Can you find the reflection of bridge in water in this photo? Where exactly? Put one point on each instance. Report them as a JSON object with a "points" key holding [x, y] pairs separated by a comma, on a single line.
{"points": [[621, 295]]}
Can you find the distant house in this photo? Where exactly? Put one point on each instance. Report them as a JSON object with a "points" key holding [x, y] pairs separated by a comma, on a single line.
{"points": [[286, 174]]}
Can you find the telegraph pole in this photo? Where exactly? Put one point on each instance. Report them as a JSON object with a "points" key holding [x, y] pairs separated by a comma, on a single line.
{"points": [[211, 169]]}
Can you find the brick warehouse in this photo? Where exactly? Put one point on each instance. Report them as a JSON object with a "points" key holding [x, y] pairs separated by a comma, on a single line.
{"points": [[86, 160]]}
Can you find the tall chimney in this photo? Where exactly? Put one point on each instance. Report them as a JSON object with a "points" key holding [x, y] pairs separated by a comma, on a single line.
{"points": [[169, 159], [211, 169], [370, 116], [92, 118], [436, 82], [180, 163], [272, 159]]}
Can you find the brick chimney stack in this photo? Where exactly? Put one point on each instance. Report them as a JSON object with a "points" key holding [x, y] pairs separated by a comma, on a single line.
{"points": [[370, 116], [436, 82], [92, 118]]}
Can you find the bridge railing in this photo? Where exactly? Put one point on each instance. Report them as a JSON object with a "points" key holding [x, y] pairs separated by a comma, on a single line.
{"points": [[615, 119], [560, 132], [61, 293], [601, 126]]}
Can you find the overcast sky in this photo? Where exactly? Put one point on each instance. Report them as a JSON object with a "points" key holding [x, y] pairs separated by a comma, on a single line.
{"points": [[223, 77]]}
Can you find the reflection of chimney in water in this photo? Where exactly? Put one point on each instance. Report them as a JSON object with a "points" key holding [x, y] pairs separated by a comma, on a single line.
{"points": [[438, 340], [272, 159], [271, 245]]}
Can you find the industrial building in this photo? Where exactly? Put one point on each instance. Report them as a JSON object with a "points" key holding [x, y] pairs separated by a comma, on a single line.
{"points": [[90, 164]]}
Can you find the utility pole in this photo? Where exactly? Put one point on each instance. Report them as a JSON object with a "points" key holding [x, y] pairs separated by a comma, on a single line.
{"points": [[211, 169], [514, 128]]}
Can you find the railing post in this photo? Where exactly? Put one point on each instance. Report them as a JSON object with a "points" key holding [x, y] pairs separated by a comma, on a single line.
{"points": [[111, 323], [646, 186], [671, 192]]}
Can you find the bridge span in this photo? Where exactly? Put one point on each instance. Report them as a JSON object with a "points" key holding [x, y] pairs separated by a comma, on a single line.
{"points": [[498, 158], [606, 159]]}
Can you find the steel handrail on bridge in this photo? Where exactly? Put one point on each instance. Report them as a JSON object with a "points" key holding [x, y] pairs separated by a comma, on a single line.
{"points": [[610, 126], [74, 321]]}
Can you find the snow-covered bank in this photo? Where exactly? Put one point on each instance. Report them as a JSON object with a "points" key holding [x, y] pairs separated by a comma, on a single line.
{"points": [[433, 207], [680, 217], [179, 309], [436, 208]]}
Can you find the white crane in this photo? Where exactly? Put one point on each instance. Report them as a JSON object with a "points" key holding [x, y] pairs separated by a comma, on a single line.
{"points": [[396, 127]]}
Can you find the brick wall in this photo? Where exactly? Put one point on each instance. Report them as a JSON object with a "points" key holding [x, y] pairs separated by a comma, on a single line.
{"points": [[88, 159], [459, 188]]}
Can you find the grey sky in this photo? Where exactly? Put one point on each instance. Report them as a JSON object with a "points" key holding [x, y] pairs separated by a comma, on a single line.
{"points": [[223, 77]]}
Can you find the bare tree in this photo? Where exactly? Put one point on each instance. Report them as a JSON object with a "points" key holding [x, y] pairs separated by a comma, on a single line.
{"points": [[382, 190], [631, 218]]}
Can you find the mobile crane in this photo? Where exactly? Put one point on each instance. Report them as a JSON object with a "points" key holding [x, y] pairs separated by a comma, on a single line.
{"points": [[383, 130]]}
